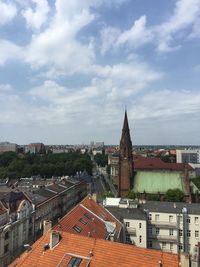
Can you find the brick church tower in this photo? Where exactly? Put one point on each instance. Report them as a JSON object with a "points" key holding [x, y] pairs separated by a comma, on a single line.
{"points": [[125, 160]]}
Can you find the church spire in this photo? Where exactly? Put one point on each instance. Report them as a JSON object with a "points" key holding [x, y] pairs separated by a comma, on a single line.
{"points": [[125, 160]]}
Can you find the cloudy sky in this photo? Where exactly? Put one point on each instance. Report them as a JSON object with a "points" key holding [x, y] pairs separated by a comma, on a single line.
{"points": [[68, 68]]}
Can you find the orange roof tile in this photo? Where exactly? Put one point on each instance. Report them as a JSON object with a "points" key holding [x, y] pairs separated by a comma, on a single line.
{"points": [[90, 218], [100, 253]]}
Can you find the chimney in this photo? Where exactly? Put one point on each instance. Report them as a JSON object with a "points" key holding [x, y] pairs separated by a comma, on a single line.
{"points": [[46, 226], [54, 239], [174, 205], [185, 260]]}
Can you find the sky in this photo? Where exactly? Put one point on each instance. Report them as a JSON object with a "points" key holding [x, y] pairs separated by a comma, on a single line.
{"points": [[69, 68]]}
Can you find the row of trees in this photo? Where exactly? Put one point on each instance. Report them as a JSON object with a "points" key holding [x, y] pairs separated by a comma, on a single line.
{"points": [[101, 159], [172, 195], [14, 165]]}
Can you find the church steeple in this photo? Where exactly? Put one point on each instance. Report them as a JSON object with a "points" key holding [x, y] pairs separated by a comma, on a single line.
{"points": [[125, 143], [125, 159]]}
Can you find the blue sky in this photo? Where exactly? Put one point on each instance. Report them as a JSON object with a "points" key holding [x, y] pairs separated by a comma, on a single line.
{"points": [[69, 68]]}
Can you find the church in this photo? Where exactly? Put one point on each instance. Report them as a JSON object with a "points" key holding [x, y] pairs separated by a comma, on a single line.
{"points": [[147, 175]]}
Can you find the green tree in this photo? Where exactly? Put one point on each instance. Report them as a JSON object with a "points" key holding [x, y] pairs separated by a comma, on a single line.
{"points": [[108, 194], [131, 195], [174, 195]]}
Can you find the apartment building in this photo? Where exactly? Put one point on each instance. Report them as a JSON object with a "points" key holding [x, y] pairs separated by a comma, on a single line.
{"points": [[23, 214], [188, 156], [167, 226], [16, 225]]}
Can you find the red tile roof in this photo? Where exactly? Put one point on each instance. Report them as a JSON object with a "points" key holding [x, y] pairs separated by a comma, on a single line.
{"points": [[141, 163], [90, 218], [100, 253]]}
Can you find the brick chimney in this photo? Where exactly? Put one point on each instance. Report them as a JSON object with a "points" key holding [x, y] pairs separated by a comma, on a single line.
{"points": [[46, 226]]}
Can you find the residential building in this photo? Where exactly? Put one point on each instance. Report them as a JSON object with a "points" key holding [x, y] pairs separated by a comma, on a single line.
{"points": [[35, 148], [166, 226], [58, 248], [8, 147], [23, 215], [16, 225], [188, 156]]}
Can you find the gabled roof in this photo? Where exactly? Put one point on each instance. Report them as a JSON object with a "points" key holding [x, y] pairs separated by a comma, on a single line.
{"points": [[142, 163], [100, 253], [89, 219]]}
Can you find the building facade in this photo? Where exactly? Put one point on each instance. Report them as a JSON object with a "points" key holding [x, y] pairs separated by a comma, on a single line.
{"points": [[167, 226]]}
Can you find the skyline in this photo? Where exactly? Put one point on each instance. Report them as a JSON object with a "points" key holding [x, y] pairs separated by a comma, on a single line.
{"points": [[69, 68]]}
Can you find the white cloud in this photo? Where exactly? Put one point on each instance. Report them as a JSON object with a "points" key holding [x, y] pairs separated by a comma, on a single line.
{"points": [[9, 51], [137, 35], [7, 12], [185, 16], [35, 18]]}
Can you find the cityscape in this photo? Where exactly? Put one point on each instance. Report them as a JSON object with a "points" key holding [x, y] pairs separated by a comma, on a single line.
{"points": [[99, 133]]}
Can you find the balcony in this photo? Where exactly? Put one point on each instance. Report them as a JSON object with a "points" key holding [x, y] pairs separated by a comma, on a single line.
{"points": [[165, 224], [169, 238], [131, 231]]}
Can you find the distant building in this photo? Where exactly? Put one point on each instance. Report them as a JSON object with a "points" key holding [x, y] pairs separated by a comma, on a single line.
{"points": [[35, 148], [8, 147], [188, 156]]}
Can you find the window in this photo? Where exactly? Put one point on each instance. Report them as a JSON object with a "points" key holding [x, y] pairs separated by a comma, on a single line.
{"points": [[164, 245], [128, 240], [157, 217], [88, 216], [196, 234], [150, 244], [6, 235], [180, 232], [157, 231], [140, 225], [188, 219], [171, 246], [170, 218], [188, 233], [140, 239], [180, 218], [127, 224], [150, 216], [83, 221], [180, 246], [6, 248], [77, 228], [171, 232], [74, 262], [150, 230], [196, 220]]}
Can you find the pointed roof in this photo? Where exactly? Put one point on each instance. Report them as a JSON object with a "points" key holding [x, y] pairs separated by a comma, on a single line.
{"points": [[125, 126]]}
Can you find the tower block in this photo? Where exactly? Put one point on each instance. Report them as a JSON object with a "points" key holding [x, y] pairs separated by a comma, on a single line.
{"points": [[126, 169]]}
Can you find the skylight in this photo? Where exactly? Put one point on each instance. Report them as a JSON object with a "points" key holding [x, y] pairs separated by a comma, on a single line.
{"points": [[77, 228], [74, 262], [88, 216], [83, 221]]}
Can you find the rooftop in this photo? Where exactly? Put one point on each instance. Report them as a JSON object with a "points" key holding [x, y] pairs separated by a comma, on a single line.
{"points": [[89, 219], [96, 252], [142, 163]]}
